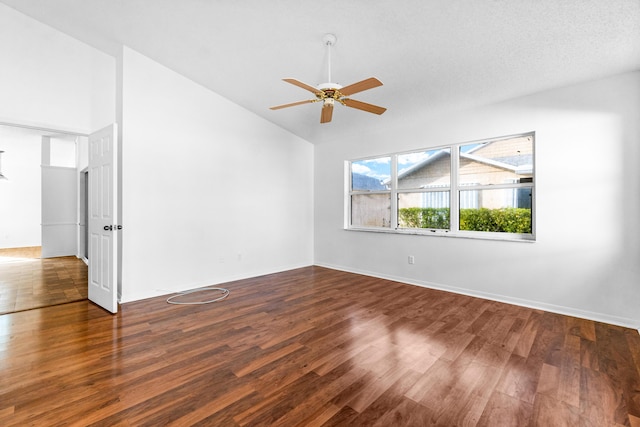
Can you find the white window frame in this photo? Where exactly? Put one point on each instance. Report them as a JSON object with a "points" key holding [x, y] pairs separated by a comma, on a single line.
{"points": [[454, 194]]}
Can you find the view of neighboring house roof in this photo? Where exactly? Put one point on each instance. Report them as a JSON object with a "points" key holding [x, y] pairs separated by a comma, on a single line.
{"points": [[435, 156], [519, 160], [366, 183], [519, 164]]}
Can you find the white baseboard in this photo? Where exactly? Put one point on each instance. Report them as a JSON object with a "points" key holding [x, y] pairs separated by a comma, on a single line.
{"points": [[538, 305], [170, 289]]}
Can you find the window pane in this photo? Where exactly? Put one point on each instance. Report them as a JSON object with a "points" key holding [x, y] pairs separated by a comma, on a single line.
{"points": [[371, 174], [425, 169], [62, 152], [371, 210], [503, 210], [424, 210], [502, 161]]}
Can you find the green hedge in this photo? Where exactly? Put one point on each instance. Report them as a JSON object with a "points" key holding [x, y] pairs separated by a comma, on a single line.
{"points": [[506, 220], [424, 217]]}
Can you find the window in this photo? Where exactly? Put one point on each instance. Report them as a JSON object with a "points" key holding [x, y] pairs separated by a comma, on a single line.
{"points": [[479, 189], [370, 195], [424, 188]]}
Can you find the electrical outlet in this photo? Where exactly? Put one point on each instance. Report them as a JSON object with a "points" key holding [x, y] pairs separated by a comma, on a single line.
{"points": [[412, 259]]}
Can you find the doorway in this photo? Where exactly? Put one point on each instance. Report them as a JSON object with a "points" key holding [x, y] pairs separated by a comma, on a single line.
{"points": [[35, 160]]}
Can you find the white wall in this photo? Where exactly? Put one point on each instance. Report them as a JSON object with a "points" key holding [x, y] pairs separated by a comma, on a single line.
{"points": [[211, 192], [51, 80], [20, 202], [59, 211], [585, 261]]}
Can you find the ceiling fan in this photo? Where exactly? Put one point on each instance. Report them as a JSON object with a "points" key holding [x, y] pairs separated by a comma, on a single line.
{"points": [[329, 93]]}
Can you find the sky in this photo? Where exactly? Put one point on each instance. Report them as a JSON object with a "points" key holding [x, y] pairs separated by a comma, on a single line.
{"points": [[380, 167]]}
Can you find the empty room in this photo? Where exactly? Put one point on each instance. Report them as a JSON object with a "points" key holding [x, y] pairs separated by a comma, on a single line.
{"points": [[300, 213]]}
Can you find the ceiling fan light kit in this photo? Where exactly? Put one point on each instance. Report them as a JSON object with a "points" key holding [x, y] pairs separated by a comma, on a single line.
{"points": [[329, 92]]}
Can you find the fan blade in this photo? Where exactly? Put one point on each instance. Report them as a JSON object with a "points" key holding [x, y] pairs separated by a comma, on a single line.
{"points": [[369, 83], [369, 108], [293, 104], [327, 113], [303, 85]]}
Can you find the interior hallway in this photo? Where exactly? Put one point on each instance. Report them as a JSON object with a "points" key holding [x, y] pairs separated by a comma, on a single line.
{"points": [[27, 281]]}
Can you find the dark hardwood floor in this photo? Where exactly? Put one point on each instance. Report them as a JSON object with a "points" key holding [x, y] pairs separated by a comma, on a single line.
{"points": [[316, 347], [27, 281]]}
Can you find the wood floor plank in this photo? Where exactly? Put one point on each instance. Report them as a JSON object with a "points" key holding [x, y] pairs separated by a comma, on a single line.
{"points": [[581, 328], [320, 417], [503, 410], [344, 417], [467, 399], [268, 357], [407, 413], [600, 401], [520, 379], [335, 384], [549, 380], [548, 411], [316, 347], [388, 401], [523, 346], [376, 388], [569, 382], [618, 363], [589, 354]]}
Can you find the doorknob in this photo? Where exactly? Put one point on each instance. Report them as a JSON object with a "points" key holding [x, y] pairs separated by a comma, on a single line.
{"points": [[108, 227]]}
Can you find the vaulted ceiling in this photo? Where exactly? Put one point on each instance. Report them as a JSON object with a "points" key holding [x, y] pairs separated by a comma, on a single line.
{"points": [[430, 54]]}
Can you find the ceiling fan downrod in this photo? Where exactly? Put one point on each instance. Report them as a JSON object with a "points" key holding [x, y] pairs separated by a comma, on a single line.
{"points": [[329, 40]]}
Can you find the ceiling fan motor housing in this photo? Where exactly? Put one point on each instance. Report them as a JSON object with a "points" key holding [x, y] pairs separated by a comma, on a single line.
{"points": [[327, 86], [329, 93]]}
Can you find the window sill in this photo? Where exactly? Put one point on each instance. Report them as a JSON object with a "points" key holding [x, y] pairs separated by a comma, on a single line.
{"points": [[526, 238]]}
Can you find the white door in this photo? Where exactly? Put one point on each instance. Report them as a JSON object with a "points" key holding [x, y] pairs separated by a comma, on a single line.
{"points": [[103, 228]]}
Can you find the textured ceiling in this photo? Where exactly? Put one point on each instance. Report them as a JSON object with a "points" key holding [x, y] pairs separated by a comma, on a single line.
{"points": [[430, 54]]}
